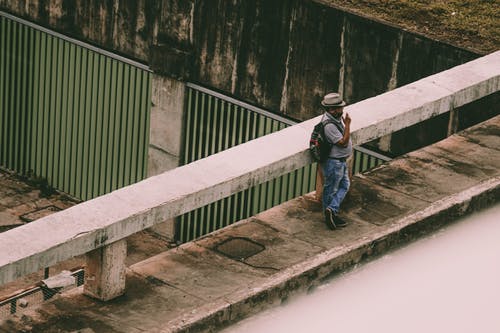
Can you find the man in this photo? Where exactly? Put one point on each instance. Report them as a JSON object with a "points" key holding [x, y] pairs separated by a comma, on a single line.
{"points": [[335, 168]]}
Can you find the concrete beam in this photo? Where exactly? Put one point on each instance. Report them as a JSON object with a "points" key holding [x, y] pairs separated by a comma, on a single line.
{"points": [[112, 217]]}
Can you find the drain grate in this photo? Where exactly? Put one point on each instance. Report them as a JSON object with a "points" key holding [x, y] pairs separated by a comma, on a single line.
{"points": [[239, 248], [39, 213]]}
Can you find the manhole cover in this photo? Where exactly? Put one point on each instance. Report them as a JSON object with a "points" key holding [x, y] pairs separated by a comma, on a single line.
{"points": [[239, 248], [39, 213]]}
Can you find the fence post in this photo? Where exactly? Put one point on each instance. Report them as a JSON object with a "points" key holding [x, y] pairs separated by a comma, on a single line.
{"points": [[105, 271]]}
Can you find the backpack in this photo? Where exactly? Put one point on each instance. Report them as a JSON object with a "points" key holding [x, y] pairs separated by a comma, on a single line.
{"points": [[318, 143]]}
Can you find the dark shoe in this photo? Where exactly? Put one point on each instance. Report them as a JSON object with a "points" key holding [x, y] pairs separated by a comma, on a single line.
{"points": [[329, 219], [339, 222]]}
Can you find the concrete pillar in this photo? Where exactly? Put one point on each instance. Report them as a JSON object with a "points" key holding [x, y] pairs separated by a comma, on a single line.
{"points": [[167, 114], [105, 271], [165, 142], [453, 122], [384, 143]]}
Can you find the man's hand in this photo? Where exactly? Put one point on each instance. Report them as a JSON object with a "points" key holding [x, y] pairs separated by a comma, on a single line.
{"points": [[347, 119], [344, 142]]}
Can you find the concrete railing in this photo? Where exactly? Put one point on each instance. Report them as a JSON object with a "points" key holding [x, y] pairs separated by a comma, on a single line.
{"points": [[99, 227]]}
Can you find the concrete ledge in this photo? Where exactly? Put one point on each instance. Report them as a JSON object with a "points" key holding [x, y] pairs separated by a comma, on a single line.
{"points": [[306, 275]]}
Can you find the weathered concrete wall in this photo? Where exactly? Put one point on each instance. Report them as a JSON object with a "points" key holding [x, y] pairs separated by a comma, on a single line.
{"points": [[127, 27], [282, 55]]}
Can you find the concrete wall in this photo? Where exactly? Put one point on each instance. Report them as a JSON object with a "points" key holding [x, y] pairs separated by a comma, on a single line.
{"points": [[282, 55]]}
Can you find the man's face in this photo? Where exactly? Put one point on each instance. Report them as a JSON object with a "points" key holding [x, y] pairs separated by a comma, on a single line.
{"points": [[336, 111]]}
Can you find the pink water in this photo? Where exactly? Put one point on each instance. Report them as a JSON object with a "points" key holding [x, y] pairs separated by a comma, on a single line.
{"points": [[448, 282]]}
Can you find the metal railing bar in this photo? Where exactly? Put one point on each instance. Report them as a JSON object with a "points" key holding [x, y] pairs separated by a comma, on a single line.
{"points": [[242, 104], [76, 41], [372, 153]]}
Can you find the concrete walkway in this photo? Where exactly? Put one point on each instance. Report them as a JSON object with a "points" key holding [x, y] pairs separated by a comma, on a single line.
{"points": [[260, 262]]}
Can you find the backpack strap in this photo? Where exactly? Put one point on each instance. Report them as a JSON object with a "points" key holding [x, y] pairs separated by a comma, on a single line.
{"points": [[328, 121]]}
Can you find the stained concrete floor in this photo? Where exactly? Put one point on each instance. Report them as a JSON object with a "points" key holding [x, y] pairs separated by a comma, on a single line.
{"points": [[207, 284], [22, 201]]}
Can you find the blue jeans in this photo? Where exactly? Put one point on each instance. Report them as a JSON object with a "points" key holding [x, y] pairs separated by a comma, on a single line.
{"points": [[336, 183]]}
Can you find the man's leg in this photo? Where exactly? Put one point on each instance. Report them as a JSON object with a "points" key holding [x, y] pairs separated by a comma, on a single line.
{"points": [[342, 190], [332, 180], [339, 197], [338, 185]]}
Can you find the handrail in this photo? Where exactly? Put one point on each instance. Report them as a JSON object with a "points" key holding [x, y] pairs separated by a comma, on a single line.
{"points": [[114, 216]]}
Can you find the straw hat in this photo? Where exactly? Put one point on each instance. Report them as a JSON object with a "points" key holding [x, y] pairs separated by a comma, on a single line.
{"points": [[332, 99]]}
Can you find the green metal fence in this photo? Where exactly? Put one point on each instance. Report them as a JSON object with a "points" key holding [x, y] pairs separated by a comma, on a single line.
{"points": [[365, 159], [215, 122], [71, 114]]}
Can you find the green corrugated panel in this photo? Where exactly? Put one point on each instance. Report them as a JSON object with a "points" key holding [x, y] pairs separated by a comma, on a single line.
{"points": [[29, 99], [57, 168], [110, 128], [3, 92], [2, 85], [117, 126], [8, 93], [62, 122], [187, 128], [6, 78], [67, 119], [212, 125], [85, 123], [129, 133], [79, 124], [71, 115], [21, 74], [143, 131], [73, 106]]}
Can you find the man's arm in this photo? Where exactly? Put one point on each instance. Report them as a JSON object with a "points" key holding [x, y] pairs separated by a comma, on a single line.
{"points": [[347, 132]]}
